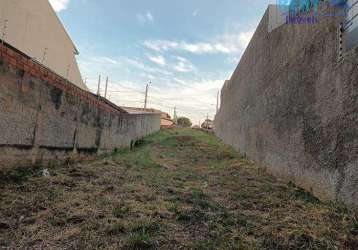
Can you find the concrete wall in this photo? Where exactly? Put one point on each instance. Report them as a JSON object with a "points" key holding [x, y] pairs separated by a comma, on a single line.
{"points": [[44, 117], [293, 107], [33, 27]]}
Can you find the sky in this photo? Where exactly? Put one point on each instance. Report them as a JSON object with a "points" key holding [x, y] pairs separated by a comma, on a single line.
{"points": [[185, 49]]}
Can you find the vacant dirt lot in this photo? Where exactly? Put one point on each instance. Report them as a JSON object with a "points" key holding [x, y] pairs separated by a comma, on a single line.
{"points": [[178, 189]]}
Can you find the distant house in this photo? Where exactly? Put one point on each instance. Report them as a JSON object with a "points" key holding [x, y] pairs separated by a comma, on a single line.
{"points": [[166, 121], [33, 28], [207, 124], [134, 110]]}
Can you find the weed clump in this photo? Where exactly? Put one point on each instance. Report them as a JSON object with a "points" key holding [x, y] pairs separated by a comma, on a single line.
{"points": [[139, 241], [20, 174], [115, 229], [192, 216], [301, 194], [120, 211], [141, 235]]}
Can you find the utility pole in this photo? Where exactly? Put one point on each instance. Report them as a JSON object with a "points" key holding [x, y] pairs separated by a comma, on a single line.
{"points": [[99, 86], [207, 121], [105, 92], [146, 95], [175, 115]]}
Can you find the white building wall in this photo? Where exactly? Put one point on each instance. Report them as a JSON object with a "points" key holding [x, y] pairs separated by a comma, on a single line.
{"points": [[33, 27]]}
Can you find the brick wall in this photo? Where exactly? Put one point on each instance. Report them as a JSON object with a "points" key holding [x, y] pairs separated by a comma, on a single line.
{"points": [[44, 117]]}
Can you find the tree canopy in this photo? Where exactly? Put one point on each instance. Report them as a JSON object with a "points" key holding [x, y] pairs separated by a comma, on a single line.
{"points": [[184, 122]]}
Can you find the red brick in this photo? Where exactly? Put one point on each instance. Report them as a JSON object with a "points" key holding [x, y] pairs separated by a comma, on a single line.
{"points": [[26, 68], [12, 61]]}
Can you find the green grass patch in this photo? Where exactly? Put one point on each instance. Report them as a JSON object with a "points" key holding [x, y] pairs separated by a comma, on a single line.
{"points": [[175, 189], [301, 194]]}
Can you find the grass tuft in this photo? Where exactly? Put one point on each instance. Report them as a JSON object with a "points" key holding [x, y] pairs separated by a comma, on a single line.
{"points": [[301, 194], [139, 241]]}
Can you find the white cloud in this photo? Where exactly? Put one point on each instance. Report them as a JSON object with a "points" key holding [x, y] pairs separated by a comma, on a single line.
{"points": [[180, 81], [150, 16], [233, 59], [160, 60], [225, 44], [195, 13], [141, 18], [139, 65], [144, 18], [198, 48], [160, 45], [107, 60], [235, 43], [183, 65], [222, 48], [179, 64], [59, 5]]}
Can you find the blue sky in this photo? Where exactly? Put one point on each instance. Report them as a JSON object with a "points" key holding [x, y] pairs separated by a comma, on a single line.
{"points": [[186, 48]]}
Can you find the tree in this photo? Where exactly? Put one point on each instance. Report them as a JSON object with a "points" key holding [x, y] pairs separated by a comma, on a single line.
{"points": [[184, 122]]}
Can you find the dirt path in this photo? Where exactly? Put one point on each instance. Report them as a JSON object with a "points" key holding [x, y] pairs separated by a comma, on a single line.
{"points": [[178, 189]]}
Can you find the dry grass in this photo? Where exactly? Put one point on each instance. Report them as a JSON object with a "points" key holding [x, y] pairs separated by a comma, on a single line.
{"points": [[178, 189]]}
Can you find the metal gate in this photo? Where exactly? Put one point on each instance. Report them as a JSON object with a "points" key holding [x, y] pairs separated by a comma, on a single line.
{"points": [[351, 25]]}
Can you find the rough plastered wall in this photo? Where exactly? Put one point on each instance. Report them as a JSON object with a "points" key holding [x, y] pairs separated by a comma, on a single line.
{"points": [[43, 117], [292, 106]]}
